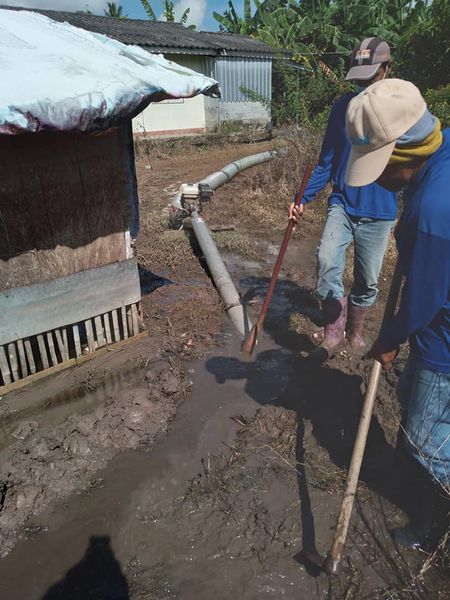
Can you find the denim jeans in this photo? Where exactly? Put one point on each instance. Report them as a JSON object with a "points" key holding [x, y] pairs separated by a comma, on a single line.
{"points": [[370, 237], [425, 399]]}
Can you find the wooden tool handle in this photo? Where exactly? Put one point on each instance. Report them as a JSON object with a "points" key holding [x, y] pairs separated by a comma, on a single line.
{"points": [[282, 252], [334, 556]]}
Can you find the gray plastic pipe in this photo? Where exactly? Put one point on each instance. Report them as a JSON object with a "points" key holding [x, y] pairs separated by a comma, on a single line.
{"points": [[230, 296], [215, 180], [227, 290]]}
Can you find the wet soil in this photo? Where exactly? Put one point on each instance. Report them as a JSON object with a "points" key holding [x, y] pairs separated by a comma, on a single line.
{"points": [[179, 468]]}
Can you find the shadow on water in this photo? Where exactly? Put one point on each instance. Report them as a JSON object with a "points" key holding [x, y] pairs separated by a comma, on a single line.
{"points": [[97, 576], [330, 398]]}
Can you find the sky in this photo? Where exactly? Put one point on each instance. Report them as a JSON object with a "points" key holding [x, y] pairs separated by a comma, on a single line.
{"points": [[200, 14]]}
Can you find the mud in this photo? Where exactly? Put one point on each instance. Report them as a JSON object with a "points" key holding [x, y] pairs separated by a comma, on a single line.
{"points": [[44, 458], [246, 482]]}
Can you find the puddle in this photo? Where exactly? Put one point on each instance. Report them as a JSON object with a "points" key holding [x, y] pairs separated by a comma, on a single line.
{"points": [[178, 521], [139, 489], [84, 396]]}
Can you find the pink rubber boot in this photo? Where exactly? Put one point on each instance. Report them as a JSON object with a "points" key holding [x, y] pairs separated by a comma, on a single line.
{"points": [[335, 319], [356, 318]]}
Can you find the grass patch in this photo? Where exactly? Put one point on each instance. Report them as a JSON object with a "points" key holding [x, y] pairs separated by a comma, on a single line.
{"points": [[235, 242], [160, 247], [273, 185]]}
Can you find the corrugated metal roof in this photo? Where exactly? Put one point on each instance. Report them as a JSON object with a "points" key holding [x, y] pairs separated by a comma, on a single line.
{"points": [[159, 34], [231, 41], [62, 78]]}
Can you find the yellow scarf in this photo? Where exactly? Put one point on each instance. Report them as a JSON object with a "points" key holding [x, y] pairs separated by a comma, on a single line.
{"points": [[406, 154]]}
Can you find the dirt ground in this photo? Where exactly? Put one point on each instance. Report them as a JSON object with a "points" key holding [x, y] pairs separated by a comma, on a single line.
{"points": [[175, 467]]}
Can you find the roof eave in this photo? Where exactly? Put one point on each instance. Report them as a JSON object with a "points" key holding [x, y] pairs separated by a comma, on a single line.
{"points": [[208, 52]]}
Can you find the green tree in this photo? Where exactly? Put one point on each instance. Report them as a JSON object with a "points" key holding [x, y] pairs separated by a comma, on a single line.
{"points": [[115, 11], [231, 22], [308, 30], [149, 10], [168, 13], [423, 51], [320, 35]]}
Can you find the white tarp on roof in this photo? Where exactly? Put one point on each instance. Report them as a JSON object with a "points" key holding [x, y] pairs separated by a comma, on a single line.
{"points": [[62, 78]]}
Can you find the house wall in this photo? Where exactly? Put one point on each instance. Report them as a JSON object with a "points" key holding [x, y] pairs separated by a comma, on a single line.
{"points": [[247, 113], [236, 75], [66, 204], [202, 113], [185, 115]]}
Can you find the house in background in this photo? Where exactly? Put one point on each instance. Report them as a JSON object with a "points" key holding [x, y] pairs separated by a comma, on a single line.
{"points": [[236, 62], [68, 193]]}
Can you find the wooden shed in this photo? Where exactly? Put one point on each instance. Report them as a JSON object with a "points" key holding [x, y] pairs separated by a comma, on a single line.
{"points": [[69, 282], [67, 272]]}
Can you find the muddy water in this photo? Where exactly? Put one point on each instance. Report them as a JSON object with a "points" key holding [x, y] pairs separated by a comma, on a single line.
{"points": [[129, 509], [142, 532], [81, 398]]}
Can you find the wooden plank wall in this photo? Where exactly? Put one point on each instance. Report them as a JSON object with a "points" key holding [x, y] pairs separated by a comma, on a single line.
{"points": [[64, 204], [23, 358]]}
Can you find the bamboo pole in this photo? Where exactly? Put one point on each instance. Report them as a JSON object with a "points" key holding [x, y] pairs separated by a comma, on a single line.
{"points": [[43, 351], [90, 335], [76, 341], [4, 367], [123, 312], [12, 353], [115, 320], [135, 319], [30, 356], [51, 347], [22, 358], [107, 328], [100, 332]]}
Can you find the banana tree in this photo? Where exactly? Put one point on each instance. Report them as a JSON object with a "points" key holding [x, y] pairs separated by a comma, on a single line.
{"points": [[168, 13], [115, 11], [308, 31], [231, 22], [387, 19], [322, 33]]}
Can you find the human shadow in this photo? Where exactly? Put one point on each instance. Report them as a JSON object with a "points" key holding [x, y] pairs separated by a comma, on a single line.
{"points": [[149, 281], [288, 298], [327, 397], [97, 576]]}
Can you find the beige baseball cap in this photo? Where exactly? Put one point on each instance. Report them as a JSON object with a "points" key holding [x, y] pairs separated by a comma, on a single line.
{"points": [[375, 119]]}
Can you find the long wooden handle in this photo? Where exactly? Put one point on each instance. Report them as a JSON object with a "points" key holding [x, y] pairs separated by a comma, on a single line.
{"points": [[334, 557], [282, 252]]}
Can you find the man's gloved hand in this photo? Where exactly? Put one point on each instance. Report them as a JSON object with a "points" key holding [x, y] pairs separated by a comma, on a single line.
{"points": [[385, 357], [295, 212]]}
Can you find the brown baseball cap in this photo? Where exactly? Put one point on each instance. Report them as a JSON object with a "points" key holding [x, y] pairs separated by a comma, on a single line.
{"points": [[367, 58]]}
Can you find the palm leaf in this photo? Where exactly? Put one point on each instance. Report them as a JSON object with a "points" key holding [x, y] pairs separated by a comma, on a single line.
{"points": [[185, 16], [247, 11], [328, 72], [149, 10], [233, 12]]}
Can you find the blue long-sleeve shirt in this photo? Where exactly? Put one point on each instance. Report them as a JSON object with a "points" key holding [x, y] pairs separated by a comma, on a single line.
{"points": [[369, 201], [423, 241]]}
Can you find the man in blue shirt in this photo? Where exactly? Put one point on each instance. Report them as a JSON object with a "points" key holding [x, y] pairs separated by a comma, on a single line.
{"points": [[398, 143], [364, 216]]}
